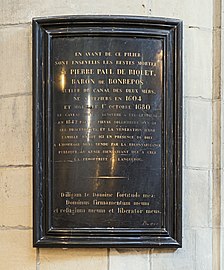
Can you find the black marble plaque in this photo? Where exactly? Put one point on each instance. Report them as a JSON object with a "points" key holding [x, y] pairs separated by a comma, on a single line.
{"points": [[107, 131]]}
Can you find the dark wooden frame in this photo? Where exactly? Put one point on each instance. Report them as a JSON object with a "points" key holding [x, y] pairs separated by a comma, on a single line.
{"points": [[170, 30]]}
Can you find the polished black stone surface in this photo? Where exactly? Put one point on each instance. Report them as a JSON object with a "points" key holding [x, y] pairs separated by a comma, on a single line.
{"points": [[108, 139]]}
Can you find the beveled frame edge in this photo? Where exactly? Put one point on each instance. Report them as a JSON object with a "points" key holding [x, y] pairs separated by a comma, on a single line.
{"points": [[132, 239]]}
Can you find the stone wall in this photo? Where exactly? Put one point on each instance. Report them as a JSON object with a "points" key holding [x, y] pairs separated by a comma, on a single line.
{"points": [[203, 226]]}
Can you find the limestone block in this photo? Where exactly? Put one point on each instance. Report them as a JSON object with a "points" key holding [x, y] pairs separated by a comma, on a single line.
{"points": [[16, 130], [198, 132], [222, 177], [79, 259], [16, 197], [15, 54], [16, 250], [13, 11], [217, 247], [129, 259], [135, 7], [217, 200], [204, 249], [196, 13], [23, 10], [222, 202], [222, 61], [197, 198], [180, 259], [222, 248], [197, 62]]}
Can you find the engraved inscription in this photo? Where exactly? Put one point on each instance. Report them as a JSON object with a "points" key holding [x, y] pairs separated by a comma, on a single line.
{"points": [[107, 96]]}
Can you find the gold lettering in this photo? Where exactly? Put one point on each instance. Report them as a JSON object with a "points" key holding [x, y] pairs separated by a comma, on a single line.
{"points": [[82, 81], [104, 71], [61, 62], [125, 81], [83, 71], [124, 63], [97, 211], [132, 54], [129, 211], [142, 72], [151, 64], [93, 53]]}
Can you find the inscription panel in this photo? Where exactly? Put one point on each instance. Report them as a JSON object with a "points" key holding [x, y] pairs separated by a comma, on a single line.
{"points": [[109, 139], [107, 132]]}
